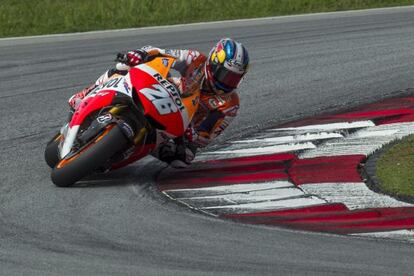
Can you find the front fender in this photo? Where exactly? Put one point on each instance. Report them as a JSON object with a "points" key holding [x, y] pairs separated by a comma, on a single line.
{"points": [[90, 104], [87, 106], [70, 137]]}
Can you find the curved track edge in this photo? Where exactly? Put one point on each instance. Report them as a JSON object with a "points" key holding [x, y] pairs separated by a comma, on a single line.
{"points": [[303, 175]]}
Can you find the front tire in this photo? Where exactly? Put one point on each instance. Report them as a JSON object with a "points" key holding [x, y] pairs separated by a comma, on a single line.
{"points": [[104, 146], [52, 151]]}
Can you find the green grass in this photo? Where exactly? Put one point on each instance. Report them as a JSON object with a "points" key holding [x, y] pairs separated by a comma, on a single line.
{"points": [[395, 169], [34, 17]]}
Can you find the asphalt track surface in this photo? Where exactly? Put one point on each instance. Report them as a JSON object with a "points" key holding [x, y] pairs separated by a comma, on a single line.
{"points": [[118, 224]]}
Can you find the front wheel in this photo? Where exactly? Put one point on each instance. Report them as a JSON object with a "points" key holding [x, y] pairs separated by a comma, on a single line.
{"points": [[93, 155], [52, 151]]}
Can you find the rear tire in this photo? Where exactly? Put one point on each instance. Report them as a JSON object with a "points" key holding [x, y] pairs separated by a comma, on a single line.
{"points": [[52, 152], [104, 147]]}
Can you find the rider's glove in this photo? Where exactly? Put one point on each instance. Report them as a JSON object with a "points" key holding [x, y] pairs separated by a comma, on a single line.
{"points": [[132, 58], [76, 99], [135, 57], [74, 102]]}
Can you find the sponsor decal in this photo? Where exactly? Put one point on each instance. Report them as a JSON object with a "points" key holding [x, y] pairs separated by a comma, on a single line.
{"points": [[219, 54], [119, 84], [165, 62], [113, 83], [213, 103], [126, 86], [216, 102], [171, 90], [104, 118], [164, 101]]}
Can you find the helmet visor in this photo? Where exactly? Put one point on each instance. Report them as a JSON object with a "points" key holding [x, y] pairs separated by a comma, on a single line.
{"points": [[226, 79]]}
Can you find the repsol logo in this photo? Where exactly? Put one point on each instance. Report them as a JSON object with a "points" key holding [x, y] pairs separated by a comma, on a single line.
{"points": [[164, 96], [171, 89]]}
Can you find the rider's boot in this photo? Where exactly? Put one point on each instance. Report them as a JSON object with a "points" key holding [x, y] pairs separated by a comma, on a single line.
{"points": [[184, 156], [176, 153]]}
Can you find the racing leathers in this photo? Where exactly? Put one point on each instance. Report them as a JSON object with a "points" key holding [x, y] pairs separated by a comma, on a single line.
{"points": [[214, 114]]}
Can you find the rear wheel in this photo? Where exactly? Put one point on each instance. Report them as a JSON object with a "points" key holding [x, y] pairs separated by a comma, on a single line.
{"points": [[90, 157]]}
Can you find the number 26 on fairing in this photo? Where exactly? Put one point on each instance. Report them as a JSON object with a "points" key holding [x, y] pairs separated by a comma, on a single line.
{"points": [[161, 99]]}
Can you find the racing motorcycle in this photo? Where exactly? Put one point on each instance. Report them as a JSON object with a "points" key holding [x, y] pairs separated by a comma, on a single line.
{"points": [[117, 123]]}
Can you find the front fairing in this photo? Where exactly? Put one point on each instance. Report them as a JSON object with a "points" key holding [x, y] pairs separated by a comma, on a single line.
{"points": [[88, 105], [161, 100]]}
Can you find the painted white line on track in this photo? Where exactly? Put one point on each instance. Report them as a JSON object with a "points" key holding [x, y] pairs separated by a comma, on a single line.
{"points": [[402, 129], [374, 132], [364, 141], [292, 138], [228, 189], [335, 144], [327, 127], [263, 150], [353, 195], [246, 197], [348, 146], [266, 205]]}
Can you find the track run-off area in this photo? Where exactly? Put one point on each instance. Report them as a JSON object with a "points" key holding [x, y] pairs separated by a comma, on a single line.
{"points": [[119, 223], [303, 175]]}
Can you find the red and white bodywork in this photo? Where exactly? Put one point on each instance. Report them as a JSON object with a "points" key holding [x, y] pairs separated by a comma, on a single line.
{"points": [[147, 86]]}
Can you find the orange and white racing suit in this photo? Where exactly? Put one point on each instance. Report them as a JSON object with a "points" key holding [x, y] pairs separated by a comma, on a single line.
{"points": [[215, 111]]}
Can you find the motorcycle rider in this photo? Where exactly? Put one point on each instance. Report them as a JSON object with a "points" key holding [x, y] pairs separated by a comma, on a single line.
{"points": [[217, 76]]}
